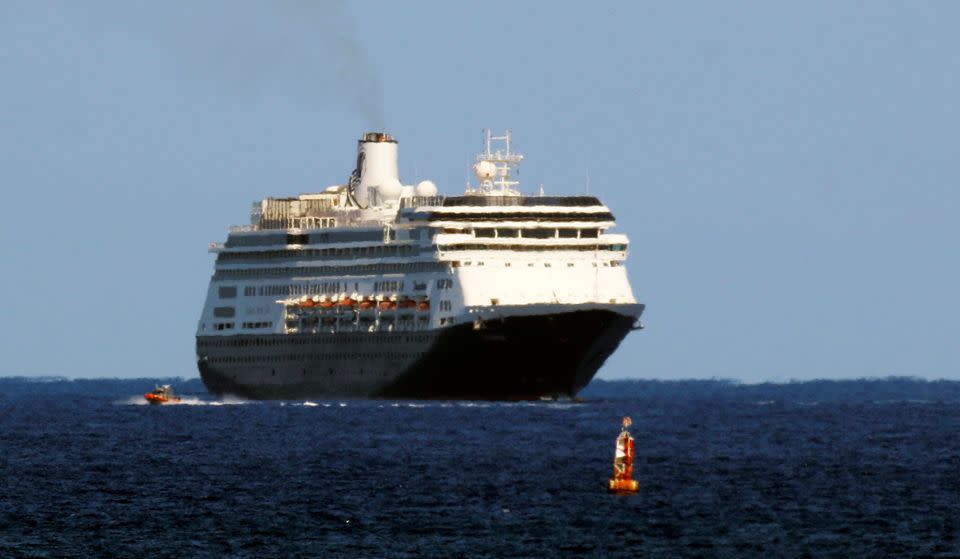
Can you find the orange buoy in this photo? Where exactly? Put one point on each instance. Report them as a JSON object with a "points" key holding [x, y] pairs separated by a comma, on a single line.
{"points": [[622, 481]]}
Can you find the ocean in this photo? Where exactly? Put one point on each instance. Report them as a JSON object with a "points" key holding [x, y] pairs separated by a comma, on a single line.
{"points": [[866, 468]]}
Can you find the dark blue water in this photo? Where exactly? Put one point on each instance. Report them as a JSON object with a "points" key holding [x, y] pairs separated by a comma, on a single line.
{"points": [[867, 469]]}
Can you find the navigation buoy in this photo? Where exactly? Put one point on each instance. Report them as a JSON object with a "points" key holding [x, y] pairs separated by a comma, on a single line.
{"points": [[622, 481]]}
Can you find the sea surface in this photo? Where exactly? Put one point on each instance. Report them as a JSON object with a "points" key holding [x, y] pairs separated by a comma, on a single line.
{"points": [[822, 469]]}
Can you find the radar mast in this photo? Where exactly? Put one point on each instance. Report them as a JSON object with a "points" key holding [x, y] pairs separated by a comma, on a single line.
{"points": [[493, 167]]}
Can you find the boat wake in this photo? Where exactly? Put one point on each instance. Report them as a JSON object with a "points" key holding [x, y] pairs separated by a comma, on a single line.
{"points": [[184, 401]]}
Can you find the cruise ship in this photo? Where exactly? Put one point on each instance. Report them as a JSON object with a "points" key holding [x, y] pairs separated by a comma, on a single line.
{"points": [[377, 289]]}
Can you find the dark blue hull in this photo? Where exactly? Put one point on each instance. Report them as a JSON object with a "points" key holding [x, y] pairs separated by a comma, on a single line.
{"points": [[511, 358]]}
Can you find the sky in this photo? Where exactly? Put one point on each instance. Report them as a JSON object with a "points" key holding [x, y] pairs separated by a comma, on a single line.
{"points": [[787, 172]]}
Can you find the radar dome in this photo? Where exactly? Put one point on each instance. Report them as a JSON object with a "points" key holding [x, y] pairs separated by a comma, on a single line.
{"points": [[485, 170], [426, 188], [390, 189], [408, 191]]}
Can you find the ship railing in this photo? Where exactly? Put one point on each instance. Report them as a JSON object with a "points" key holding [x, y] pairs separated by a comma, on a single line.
{"points": [[420, 201], [215, 247], [338, 219], [309, 223]]}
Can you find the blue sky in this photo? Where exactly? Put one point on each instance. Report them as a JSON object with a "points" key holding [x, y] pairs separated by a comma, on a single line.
{"points": [[787, 172]]}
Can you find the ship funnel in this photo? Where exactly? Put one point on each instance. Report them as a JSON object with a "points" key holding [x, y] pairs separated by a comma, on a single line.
{"points": [[376, 168]]}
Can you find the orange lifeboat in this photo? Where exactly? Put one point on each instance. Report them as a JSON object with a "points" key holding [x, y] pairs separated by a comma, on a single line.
{"points": [[424, 305], [407, 303], [307, 303], [347, 302], [387, 305], [367, 304], [622, 482], [162, 395], [326, 303]]}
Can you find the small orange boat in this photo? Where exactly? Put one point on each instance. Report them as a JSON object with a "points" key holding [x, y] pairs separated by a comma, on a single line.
{"points": [[162, 395]]}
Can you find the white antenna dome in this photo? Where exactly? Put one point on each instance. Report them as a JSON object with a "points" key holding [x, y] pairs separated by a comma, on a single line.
{"points": [[426, 188], [408, 191], [485, 170], [390, 189]]}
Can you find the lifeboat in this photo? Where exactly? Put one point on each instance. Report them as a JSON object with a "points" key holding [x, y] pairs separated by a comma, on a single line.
{"points": [[162, 395], [406, 303], [367, 303], [346, 301], [326, 302], [424, 305], [387, 305], [622, 482], [307, 303]]}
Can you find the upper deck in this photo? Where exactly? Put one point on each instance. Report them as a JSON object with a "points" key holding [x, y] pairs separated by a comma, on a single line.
{"points": [[374, 208]]}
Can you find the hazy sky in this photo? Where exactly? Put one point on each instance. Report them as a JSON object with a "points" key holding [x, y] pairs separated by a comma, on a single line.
{"points": [[787, 172]]}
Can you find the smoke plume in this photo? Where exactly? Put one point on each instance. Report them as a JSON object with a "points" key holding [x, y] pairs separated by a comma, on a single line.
{"points": [[309, 48]]}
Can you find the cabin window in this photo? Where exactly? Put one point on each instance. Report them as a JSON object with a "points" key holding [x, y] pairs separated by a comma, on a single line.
{"points": [[485, 233], [539, 233], [507, 232], [228, 292], [297, 239], [589, 233], [224, 312], [567, 233]]}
